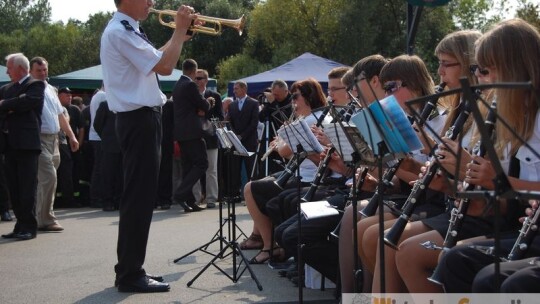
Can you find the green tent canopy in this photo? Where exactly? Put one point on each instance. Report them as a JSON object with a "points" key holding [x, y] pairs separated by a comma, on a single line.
{"points": [[4, 78], [91, 79]]}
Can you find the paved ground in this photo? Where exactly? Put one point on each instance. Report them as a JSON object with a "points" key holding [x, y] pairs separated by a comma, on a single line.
{"points": [[76, 266]]}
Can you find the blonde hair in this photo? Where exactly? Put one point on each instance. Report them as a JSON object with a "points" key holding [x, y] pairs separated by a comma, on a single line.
{"points": [[511, 49], [460, 45]]}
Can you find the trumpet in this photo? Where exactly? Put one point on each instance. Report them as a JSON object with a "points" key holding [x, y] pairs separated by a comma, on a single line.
{"points": [[237, 24]]}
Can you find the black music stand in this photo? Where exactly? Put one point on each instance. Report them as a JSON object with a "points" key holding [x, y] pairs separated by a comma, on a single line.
{"points": [[230, 142]]}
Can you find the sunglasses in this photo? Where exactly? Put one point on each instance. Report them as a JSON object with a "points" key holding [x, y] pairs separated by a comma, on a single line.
{"points": [[200, 78], [391, 87], [295, 96], [475, 67]]}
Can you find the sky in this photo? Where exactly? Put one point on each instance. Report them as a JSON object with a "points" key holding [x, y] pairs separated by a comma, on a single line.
{"points": [[62, 10]]}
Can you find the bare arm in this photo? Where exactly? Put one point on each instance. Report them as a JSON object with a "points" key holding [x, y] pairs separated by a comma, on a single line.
{"points": [[64, 125], [173, 48]]}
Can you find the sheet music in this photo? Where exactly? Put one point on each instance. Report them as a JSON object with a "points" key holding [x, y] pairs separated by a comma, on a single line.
{"points": [[390, 119], [347, 140], [318, 209], [224, 141], [240, 149], [298, 132]]}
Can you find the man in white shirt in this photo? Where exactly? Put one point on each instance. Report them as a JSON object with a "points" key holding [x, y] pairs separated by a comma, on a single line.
{"points": [[52, 120], [130, 64]]}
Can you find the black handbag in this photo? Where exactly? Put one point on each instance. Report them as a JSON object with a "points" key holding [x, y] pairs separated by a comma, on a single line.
{"points": [[207, 127]]}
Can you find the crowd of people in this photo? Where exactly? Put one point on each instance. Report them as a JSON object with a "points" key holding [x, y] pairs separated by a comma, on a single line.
{"points": [[149, 151]]}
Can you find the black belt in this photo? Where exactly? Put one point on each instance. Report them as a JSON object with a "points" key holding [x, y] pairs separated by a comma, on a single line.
{"points": [[155, 109]]}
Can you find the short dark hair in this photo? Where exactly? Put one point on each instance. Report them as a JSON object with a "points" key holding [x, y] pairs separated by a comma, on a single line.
{"points": [[117, 2], [370, 65], [337, 73], [189, 66], [39, 60]]}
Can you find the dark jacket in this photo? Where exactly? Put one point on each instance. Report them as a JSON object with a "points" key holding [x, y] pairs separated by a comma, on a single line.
{"points": [[244, 123], [104, 124], [22, 108], [187, 101]]}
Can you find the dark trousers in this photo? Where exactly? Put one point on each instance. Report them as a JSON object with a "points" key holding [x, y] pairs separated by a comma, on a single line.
{"points": [[237, 163], [21, 174], [165, 183], [520, 276], [194, 165], [4, 196], [139, 135], [112, 178], [96, 183], [461, 264], [64, 175]]}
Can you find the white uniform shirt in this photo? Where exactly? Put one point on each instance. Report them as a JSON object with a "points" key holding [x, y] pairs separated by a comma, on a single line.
{"points": [[51, 109], [128, 60], [529, 163], [97, 99]]}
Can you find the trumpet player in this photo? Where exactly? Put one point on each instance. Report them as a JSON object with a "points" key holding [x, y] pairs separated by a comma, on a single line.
{"points": [[130, 63]]}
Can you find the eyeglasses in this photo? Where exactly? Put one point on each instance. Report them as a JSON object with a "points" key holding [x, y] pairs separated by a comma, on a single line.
{"points": [[391, 87], [475, 67], [295, 96], [200, 78], [330, 90], [445, 64]]}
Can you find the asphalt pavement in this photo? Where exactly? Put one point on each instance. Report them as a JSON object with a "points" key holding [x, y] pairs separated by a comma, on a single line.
{"points": [[76, 265]]}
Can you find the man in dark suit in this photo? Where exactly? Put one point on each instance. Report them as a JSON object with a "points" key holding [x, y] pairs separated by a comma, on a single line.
{"points": [[22, 101], [209, 183], [189, 109], [244, 119]]}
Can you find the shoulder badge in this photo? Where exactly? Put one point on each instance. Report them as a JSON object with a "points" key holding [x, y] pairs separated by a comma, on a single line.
{"points": [[128, 26]]}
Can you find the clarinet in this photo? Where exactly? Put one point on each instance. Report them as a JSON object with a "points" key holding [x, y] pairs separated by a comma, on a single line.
{"points": [[394, 234], [350, 197], [321, 170], [386, 183], [295, 162], [457, 215], [526, 235]]}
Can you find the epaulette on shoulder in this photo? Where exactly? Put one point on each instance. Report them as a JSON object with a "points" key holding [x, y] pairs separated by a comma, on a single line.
{"points": [[128, 26]]}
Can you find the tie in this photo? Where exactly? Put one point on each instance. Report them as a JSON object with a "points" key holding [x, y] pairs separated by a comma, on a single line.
{"points": [[240, 104]]}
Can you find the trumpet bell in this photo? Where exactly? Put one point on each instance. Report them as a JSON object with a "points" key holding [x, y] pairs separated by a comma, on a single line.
{"points": [[216, 29]]}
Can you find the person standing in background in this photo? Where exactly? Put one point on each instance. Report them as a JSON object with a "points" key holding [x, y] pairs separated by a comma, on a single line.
{"points": [[21, 101], [209, 189], [52, 121], [190, 109], [244, 119]]}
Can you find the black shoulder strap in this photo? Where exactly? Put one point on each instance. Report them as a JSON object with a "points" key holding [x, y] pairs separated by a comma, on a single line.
{"points": [[130, 28]]}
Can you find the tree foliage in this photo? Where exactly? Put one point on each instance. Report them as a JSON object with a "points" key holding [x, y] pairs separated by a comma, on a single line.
{"points": [[276, 31]]}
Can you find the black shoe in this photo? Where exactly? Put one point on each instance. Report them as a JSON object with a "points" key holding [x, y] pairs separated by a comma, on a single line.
{"points": [[11, 235], [6, 217], [185, 206], [298, 279], [165, 206], [150, 276], [284, 272], [23, 236], [194, 206], [108, 208], [144, 284]]}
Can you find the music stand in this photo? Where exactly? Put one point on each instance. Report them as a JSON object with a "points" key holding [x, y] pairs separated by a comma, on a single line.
{"points": [[233, 147]]}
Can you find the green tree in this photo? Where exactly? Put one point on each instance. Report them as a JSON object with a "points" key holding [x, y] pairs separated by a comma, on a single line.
{"points": [[529, 12], [23, 14]]}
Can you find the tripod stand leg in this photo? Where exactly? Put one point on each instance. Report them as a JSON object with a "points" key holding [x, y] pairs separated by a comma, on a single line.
{"points": [[201, 248]]}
